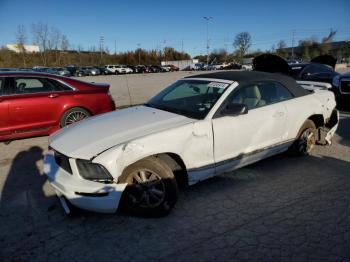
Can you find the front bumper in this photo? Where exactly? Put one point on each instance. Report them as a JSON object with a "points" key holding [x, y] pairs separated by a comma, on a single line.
{"points": [[82, 193]]}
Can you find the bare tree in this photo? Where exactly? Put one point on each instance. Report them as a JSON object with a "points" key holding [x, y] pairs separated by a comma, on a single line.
{"points": [[80, 49], [41, 36], [242, 43], [53, 43], [281, 48], [21, 40], [64, 43]]}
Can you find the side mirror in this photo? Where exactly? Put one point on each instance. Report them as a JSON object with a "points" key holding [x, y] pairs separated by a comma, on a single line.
{"points": [[234, 110]]}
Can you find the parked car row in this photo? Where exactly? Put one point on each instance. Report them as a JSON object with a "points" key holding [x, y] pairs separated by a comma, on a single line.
{"points": [[214, 66], [72, 70]]}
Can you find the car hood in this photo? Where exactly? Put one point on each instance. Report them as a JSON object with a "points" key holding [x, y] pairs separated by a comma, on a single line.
{"points": [[272, 64], [90, 137]]}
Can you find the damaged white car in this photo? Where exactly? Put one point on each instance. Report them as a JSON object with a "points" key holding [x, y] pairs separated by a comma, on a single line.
{"points": [[196, 128]]}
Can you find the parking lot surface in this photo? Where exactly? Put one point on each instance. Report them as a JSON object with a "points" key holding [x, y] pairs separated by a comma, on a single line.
{"points": [[279, 209], [141, 87]]}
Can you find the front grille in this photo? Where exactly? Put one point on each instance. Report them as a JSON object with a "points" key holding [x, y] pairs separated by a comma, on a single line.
{"points": [[345, 86], [63, 162]]}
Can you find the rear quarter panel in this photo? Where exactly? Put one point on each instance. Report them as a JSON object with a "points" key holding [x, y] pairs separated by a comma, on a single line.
{"points": [[301, 108]]}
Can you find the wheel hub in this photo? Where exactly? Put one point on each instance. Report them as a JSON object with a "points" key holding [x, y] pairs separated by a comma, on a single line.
{"points": [[148, 189], [75, 116]]}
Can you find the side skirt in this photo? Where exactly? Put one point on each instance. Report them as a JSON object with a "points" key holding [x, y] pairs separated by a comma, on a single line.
{"points": [[202, 173]]}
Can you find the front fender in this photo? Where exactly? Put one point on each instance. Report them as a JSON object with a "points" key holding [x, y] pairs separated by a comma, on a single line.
{"points": [[192, 142]]}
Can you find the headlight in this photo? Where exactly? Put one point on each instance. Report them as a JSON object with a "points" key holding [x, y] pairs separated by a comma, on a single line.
{"points": [[336, 80], [93, 171]]}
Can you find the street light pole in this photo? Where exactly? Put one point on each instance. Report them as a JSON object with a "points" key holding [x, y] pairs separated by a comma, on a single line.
{"points": [[293, 35], [102, 39], [139, 52], [207, 18]]}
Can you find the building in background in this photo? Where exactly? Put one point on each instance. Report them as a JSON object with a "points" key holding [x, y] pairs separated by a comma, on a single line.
{"points": [[181, 64], [28, 48]]}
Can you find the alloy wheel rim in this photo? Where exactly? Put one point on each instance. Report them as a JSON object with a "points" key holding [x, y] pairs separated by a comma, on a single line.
{"points": [[74, 117], [148, 188]]}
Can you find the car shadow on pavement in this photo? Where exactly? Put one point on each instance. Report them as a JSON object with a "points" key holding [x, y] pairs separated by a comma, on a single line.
{"points": [[23, 193]]}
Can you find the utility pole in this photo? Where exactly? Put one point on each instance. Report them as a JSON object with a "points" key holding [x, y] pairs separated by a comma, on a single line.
{"points": [[164, 43], [182, 45], [102, 39], [115, 47], [139, 52], [207, 18], [293, 35]]}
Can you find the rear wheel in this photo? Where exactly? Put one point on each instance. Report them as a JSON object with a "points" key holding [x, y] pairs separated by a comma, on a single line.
{"points": [[152, 190], [306, 139], [74, 115]]}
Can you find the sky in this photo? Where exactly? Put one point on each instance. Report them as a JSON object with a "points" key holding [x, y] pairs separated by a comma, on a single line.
{"points": [[153, 24]]}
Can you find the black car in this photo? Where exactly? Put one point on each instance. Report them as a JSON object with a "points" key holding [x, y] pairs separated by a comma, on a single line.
{"points": [[313, 72], [319, 69], [8, 69], [103, 70], [341, 88], [232, 66], [142, 69], [156, 69], [76, 71]]}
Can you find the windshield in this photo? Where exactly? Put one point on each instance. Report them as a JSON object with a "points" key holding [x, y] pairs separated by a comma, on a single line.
{"points": [[191, 98]]}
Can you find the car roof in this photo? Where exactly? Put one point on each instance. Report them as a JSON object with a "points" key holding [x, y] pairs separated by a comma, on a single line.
{"points": [[253, 76]]}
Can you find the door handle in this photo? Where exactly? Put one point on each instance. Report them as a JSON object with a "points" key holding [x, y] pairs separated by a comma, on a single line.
{"points": [[53, 96]]}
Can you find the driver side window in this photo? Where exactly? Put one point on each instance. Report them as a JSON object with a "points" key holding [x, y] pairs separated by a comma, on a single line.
{"points": [[249, 95], [259, 94]]}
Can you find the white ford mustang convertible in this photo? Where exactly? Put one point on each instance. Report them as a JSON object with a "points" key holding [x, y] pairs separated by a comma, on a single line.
{"points": [[196, 128]]}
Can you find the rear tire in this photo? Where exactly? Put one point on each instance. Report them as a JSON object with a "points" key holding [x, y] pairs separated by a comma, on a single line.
{"points": [[305, 141], [152, 189], [74, 115]]}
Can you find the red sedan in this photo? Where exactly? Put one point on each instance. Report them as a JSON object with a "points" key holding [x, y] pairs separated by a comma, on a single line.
{"points": [[36, 104]]}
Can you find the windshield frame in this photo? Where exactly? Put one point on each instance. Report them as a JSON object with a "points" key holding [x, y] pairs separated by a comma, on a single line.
{"points": [[187, 113]]}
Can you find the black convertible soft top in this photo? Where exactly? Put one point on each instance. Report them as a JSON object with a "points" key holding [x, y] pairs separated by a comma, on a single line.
{"points": [[243, 77]]}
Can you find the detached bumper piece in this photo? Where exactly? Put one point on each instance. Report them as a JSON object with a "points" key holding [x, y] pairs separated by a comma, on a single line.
{"points": [[325, 133]]}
